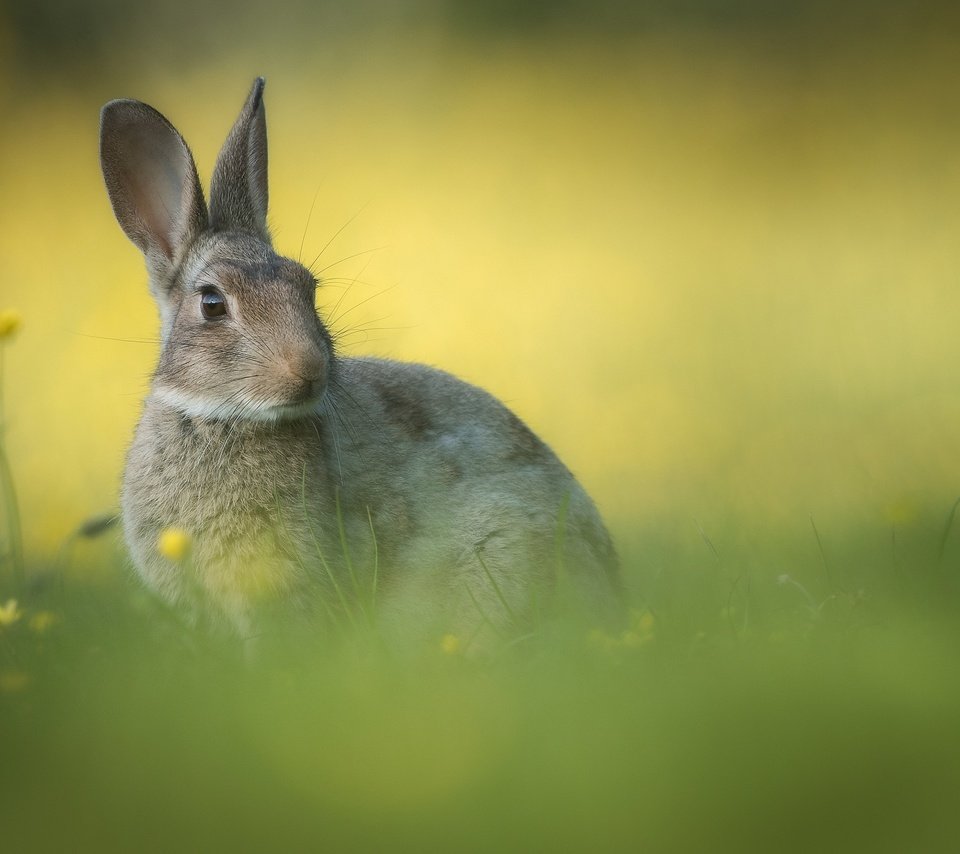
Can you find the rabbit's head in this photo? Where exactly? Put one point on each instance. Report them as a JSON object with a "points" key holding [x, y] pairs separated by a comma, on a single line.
{"points": [[240, 334]]}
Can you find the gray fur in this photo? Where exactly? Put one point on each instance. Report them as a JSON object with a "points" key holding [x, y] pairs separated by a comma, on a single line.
{"points": [[262, 442]]}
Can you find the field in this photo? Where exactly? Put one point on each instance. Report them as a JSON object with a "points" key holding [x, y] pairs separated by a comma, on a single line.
{"points": [[717, 271]]}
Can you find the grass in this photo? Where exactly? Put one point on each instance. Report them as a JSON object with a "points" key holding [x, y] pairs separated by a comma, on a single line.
{"points": [[756, 703]]}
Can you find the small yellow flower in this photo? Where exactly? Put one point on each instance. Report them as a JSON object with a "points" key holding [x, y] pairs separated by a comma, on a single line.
{"points": [[12, 681], [645, 624], [639, 633], [902, 511], [173, 544], [450, 644], [9, 322], [9, 613], [42, 621]]}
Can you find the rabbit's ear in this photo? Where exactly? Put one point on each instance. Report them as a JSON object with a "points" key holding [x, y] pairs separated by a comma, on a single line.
{"points": [[238, 191], [151, 180]]}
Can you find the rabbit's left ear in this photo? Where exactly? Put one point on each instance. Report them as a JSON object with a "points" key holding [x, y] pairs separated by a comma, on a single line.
{"points": [[238, 190]]}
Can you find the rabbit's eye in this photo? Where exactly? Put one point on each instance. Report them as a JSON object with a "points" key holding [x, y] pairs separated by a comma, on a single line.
{"points": [[213, 305]]}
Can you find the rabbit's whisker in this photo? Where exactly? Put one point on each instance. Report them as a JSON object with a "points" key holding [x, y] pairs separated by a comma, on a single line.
{"points": [[320, 272], [336, 445], [340, 317], [337, 413], [333, 311], [306, 227], [336, 234], [121, 340]]}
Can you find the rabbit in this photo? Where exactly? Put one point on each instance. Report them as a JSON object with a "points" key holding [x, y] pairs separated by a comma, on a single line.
{"points": [[322, 484]]}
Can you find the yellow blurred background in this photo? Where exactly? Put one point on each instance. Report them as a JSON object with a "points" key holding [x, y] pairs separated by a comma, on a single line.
{"points": [[713, 262]]}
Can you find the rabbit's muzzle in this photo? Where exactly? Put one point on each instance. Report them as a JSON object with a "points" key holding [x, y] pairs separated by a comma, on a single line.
{"points": [[305, 375]]}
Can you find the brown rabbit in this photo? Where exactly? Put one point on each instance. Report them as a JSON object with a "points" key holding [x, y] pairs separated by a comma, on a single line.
{"points": [[327, 484]]}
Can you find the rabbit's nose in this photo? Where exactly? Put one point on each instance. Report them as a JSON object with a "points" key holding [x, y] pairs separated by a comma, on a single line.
{"points": [[306, 363], [309, 367]]}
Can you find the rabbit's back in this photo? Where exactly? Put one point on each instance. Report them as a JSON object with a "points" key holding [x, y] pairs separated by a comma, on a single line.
{"points": [[466, 495], [404, 474]]}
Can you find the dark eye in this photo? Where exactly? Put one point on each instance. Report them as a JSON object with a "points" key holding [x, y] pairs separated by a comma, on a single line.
{"points": [[213, 305]]}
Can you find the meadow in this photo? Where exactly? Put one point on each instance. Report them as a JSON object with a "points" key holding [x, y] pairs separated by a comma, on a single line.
{"points": [[719, 278]]}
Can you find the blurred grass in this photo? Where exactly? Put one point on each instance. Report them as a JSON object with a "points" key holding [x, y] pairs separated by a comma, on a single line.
{"points": [[767, 717], [714, 265]]}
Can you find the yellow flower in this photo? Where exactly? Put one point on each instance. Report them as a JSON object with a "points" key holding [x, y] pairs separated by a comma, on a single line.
{"points": [[9, 322], [41, 621], [450, 644], [173, 544], [644, 623], [12, 681], [9, 613], [903, 511], [640, 632]]}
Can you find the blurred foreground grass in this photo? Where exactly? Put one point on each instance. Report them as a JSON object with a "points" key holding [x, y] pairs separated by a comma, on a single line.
{"points": [[776, 709]]}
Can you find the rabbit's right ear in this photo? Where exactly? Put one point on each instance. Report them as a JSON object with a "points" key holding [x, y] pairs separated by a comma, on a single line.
{"points": [[238, 188], [151, 180]]}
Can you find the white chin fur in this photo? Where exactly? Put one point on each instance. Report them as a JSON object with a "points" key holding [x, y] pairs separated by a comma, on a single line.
{"points": [[208, 410]]}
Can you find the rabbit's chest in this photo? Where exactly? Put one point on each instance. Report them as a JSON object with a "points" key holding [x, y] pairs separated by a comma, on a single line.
{"points": [[245, 501], [222, 482]]}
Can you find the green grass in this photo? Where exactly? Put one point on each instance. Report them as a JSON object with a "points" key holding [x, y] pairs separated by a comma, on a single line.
{"points": [[777, 694]]}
